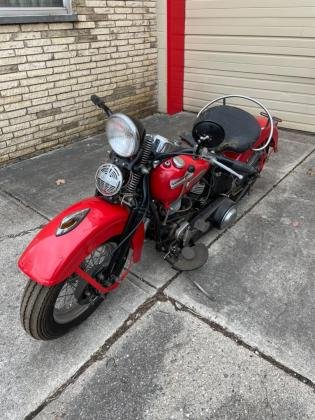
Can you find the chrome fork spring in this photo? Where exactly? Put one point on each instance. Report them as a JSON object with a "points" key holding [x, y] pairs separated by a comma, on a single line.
{"points": [[147, 148], [135, 178], [133, 182]]}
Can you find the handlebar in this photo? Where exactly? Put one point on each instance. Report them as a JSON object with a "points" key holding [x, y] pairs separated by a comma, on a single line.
{"points": [[101, 104], [225, 163], [236, 165]]}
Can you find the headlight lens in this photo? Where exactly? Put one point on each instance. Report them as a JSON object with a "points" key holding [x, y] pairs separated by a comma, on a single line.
{"points": [[123, 135]]}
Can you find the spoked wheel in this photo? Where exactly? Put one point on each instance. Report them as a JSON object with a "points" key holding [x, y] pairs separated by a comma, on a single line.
{"points": [[50, 312]]}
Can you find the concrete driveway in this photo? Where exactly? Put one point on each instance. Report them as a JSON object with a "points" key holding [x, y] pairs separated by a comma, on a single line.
{"points": [[235, 339]]}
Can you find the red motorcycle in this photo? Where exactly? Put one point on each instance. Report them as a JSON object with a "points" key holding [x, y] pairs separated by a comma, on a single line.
{"points": [[151, 188]]}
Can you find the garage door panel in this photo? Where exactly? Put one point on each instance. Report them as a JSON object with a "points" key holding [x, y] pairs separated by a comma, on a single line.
{"points": [[256, 89], [298, 125], [246, 75], [235, 47], [288, 117], [256, 21], [291, 120], [236, 4], [250, 12], [260, 49], [256, 82], [274, 103], [251, 68], [251, 30], [306, 43], [252, 49], [253, 59]]}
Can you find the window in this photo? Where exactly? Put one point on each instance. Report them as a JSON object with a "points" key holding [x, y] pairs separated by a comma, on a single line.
{"points": [[31, 3], [23, 11]]}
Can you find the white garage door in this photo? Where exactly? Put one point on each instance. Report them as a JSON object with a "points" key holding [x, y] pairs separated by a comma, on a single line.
{"points": [[264, 49]]}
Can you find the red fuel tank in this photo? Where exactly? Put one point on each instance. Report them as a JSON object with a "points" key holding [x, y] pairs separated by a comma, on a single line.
{"points": [[176, 176]]}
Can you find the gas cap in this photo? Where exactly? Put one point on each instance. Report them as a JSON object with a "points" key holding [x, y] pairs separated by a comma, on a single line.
{"points": [[178, 162]]}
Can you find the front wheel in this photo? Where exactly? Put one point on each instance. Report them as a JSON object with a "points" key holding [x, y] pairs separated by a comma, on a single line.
{"points": [[50, 312]]}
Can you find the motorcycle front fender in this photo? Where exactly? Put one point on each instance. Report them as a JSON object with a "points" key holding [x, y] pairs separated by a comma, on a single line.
{"points": [[49, 259]]}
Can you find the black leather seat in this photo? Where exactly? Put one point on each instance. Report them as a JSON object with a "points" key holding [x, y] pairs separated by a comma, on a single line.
{"points": [[241, 128]]}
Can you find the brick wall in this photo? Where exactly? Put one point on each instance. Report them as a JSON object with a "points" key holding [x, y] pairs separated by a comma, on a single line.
{"points": [[49, 70]]}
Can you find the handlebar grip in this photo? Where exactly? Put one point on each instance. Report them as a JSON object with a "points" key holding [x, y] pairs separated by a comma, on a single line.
{"points": [[237, 166], [96, 100], [100, 103]]}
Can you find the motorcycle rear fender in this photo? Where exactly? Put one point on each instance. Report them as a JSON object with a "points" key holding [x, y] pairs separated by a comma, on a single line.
{"points": [[265, 131], [50, 259]]}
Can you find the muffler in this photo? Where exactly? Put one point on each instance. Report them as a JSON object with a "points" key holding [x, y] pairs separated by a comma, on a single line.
{"points": [[225, 215], [221, 213]]}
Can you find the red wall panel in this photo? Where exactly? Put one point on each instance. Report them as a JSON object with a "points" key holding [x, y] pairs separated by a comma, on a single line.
{"points": [[175, 55]]}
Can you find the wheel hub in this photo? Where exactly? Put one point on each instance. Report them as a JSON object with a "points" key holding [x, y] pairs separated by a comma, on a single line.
{"points": [[76, 295]]}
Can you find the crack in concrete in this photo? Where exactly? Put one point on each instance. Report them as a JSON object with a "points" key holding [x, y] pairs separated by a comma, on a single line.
{"points": [[159, 296], [101, 352], [144, 280], [20, 234], [267, 400], [23, 203], [135, 283], [239, 341]]}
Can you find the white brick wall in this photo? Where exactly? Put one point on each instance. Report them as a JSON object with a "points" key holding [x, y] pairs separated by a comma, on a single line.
{"points": [[49, 71]]}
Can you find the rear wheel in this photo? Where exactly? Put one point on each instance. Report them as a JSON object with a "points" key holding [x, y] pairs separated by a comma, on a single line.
{"points": [[50, 312]]}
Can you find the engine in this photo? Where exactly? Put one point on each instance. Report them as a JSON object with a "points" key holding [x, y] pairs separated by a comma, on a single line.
{"points": [[188, 201], [195, 206], [198, 189], [189, 196]]}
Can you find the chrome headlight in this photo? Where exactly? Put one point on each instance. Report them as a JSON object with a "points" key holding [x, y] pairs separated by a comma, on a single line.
{"points": [[108, 179], [123, 135]]}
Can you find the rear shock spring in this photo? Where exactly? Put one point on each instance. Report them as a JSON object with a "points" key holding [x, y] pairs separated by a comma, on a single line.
{"points": [[136, 177]]}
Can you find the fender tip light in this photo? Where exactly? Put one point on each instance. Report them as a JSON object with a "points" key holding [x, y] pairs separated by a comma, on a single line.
{"points": [[70, 222]]}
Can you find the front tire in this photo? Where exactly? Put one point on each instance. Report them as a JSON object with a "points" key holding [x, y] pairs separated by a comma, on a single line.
{"points": [[37, 312], [47, 313]]}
